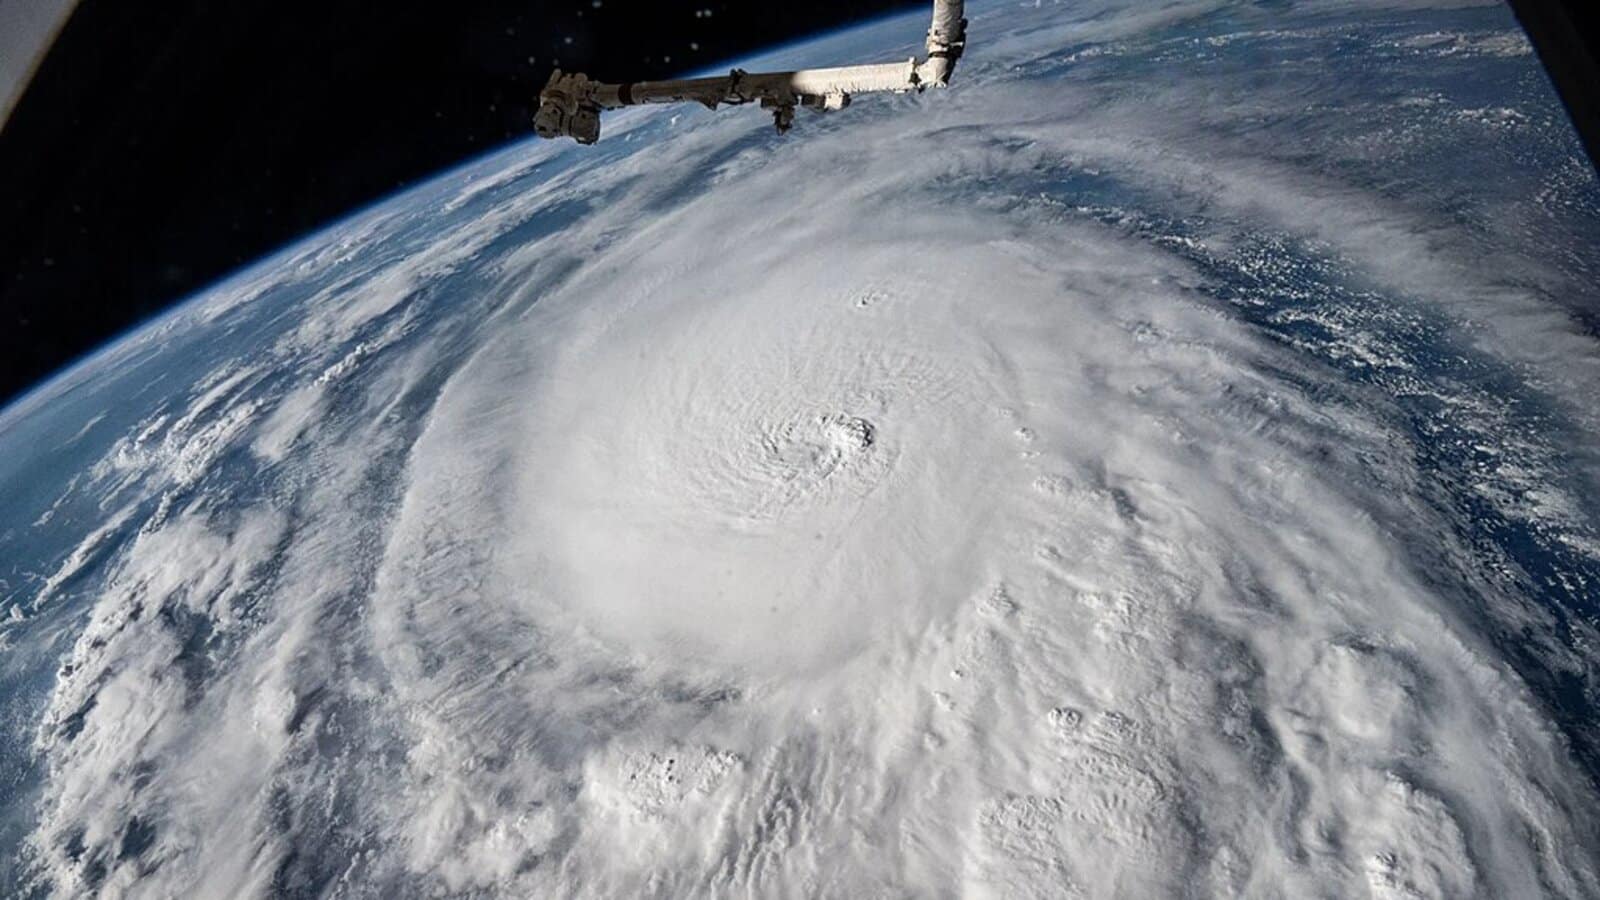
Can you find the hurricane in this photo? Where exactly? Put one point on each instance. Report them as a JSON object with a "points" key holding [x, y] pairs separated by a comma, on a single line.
{"points": [[1161, 465]]}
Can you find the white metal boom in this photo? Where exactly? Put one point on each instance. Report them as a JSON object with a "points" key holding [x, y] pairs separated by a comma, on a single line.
{"points": [[570, 104]]}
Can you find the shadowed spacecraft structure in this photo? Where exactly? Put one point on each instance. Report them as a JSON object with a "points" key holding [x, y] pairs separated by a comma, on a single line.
{"points": [[570, 104]]}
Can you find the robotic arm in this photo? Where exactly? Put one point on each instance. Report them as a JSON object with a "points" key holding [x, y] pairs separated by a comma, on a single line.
{"points": [[570, 104]]}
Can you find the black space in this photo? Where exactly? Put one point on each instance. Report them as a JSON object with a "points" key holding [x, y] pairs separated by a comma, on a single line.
{"points": [[164, 143]]}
